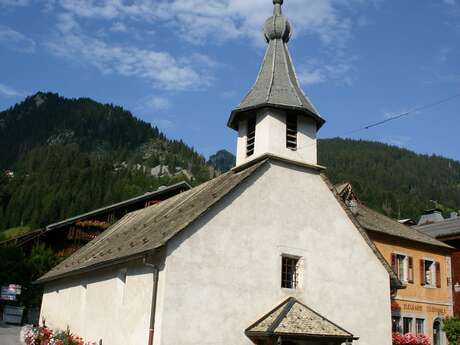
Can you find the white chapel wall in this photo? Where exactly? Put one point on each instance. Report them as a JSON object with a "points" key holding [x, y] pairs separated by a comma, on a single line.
{"points": [[223, 273], [102, 306]]}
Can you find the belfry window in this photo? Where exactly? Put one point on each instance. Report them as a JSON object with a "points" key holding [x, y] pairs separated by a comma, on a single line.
{"points": [[291, 132], [251, 137]]}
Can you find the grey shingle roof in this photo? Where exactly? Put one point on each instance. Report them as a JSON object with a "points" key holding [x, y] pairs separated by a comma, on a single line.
{"points": [[140, 232], [445, 228], [296, 319], [144, 230], [276, 85], [374, 221]]}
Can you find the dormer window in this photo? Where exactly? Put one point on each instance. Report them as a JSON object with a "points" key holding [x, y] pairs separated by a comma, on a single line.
{"points": [[291, 132], [251, 137]]}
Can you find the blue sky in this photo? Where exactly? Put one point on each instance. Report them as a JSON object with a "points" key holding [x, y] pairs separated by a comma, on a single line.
{"points": [[184, 64]]}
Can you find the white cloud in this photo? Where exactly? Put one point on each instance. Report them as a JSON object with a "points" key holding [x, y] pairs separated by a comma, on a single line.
{"points": [[119, 27], [197, 20], [8, 91], [164, 124], [403, 112], [316, 73], [159, 68], [14, 40], [398, 140], [158, 103]]}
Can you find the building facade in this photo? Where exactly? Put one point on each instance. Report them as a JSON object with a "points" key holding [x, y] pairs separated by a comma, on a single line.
{"points": [[265, 254], [423, 265], [446, 230]]}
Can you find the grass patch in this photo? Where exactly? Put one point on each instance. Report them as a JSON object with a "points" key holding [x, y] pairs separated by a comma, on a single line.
{"points": [[13, 232]]}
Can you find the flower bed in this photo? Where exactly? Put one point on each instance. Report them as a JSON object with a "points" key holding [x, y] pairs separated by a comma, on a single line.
{"points": [[410, 339], [45, 336]]}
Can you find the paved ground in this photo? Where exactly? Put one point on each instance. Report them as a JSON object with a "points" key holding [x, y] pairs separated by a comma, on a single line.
{"points": [[9, 334]]}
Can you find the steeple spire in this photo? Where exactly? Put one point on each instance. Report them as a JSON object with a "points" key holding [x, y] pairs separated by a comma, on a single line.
{"points": [[275, 117], [277, 84]]}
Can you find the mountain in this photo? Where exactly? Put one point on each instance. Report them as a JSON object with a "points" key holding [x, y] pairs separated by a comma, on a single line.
{"points": [[398, 182], [62, 157], [222, 160]]}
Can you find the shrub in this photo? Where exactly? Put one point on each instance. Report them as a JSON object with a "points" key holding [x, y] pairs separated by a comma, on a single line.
{"points": [[452, 329], [410, 339], [45, 336]]}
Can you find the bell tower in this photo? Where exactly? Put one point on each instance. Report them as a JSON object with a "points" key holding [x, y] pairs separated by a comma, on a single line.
{"points": [[275, 117]]}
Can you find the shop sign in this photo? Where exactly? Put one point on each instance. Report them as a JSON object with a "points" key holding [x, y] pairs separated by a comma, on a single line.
{"points": [[438, 310], [10, 292], [412, 307]]}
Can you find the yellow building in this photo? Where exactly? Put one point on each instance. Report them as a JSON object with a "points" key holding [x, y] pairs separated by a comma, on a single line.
{"points": [[422, 263]]}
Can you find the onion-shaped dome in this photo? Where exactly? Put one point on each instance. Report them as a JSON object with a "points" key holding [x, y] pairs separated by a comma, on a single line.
{"points": [[277, 27]]}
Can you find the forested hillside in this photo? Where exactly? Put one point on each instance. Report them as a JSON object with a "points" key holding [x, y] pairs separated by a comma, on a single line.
{"points": [[395, 181], [60, 157]]}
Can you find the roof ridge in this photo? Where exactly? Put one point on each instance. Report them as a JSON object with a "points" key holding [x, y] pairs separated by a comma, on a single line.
{"points": [[286, 308]]}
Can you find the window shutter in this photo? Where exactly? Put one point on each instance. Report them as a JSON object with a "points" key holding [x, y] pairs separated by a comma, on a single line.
{"points": [[410, 277], [438, 274], [393, 262], [422, 272]]}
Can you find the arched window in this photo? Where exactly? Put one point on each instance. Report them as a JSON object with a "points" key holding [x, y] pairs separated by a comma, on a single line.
{"points": [[437, 329]]}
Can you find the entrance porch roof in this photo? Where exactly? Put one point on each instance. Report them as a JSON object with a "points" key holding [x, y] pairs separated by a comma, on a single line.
{"points": [[292, 319]]}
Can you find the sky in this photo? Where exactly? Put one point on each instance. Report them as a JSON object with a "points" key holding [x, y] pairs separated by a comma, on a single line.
{"points": [[183, 65]]}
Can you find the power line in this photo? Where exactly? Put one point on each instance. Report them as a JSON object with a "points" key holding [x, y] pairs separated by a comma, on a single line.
{"points": [[407, 113], [393, 118]]}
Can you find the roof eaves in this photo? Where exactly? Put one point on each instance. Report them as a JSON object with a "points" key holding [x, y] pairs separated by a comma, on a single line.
{"points": [[85, 269], [234, 114]]}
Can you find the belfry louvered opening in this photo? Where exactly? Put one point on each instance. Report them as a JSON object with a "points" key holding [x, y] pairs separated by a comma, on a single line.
{"points": [[291, 132], [251, 137]]}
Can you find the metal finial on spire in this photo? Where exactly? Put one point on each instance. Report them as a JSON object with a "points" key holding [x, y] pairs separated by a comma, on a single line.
{"points": [[277, 9]]}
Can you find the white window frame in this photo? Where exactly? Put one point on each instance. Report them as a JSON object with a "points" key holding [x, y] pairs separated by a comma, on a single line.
{"points": [[411, 330], [405, 278], [432, 283], [424, 325]]}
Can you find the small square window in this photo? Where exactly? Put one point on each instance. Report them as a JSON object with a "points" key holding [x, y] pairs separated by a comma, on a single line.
{"points": [[290, 272]]}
